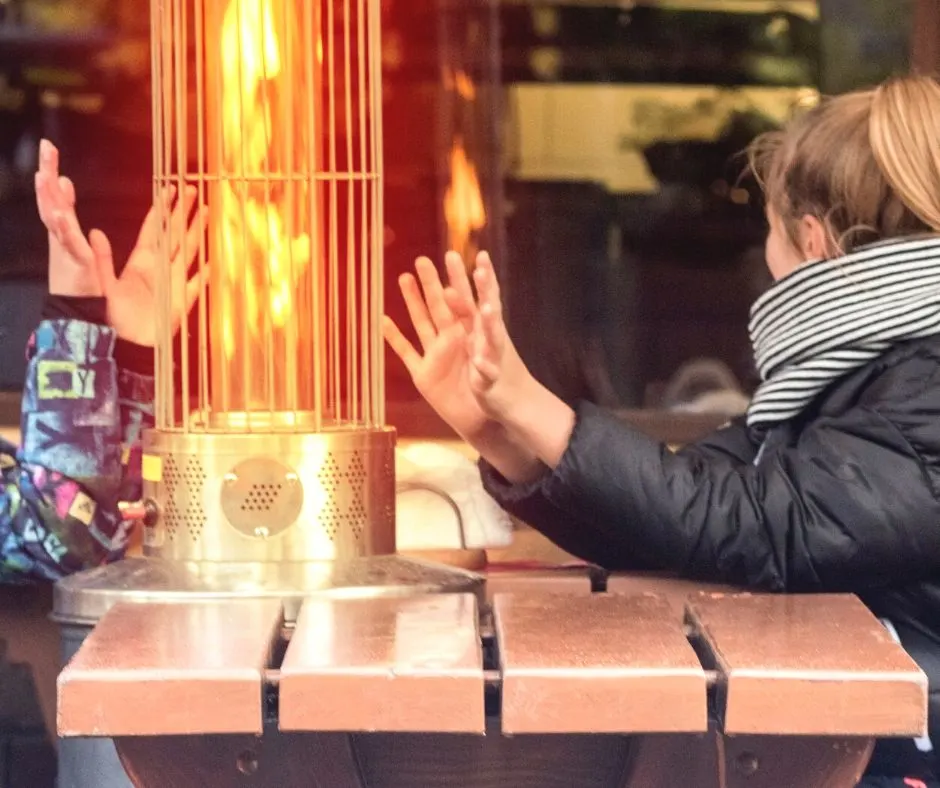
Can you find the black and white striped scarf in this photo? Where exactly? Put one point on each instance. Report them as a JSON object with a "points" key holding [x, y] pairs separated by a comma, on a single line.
{"points": [[830, 317]]}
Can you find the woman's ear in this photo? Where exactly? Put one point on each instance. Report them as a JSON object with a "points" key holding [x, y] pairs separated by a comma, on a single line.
{"points": [[814, 239]]}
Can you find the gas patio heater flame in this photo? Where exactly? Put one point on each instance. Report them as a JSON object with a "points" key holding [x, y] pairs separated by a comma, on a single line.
{"points": [[270, 440]]}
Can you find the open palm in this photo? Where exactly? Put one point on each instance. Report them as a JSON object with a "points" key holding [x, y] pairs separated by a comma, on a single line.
{"points": [[443, 326]]}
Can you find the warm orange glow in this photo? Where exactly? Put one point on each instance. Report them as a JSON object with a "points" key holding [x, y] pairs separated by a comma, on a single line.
{"points": [[463, 203], [261, 207], [461, 83]]}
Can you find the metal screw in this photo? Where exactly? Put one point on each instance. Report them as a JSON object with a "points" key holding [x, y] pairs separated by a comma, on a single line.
{"points": [[230, 478], [247, 762], [261, 532], [747, 764]]}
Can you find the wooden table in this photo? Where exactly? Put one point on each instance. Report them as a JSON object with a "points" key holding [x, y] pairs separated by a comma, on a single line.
{"points": [[571, 687]]}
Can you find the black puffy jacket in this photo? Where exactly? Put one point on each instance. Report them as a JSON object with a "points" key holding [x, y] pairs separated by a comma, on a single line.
{"points": [[845, 497]]}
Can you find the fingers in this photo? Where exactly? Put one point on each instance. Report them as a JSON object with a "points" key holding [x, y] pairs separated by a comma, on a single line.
{"points": [[459, 294], [434, 294], [484, 366], [195, 236], [48, 160], [176, 212], [53, 193], [67, 191], [179, 221], [457, 276], [103, 255], [484, 275], [194, 288], [462, 308], [417, 310], [400, 344], [492, 328], [64, 226]]}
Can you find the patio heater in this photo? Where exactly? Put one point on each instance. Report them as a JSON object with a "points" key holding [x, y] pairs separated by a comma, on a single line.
{"points": [[270, 471]]}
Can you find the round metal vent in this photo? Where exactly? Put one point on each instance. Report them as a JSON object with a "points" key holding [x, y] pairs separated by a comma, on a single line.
{"points": [[262, 497]]}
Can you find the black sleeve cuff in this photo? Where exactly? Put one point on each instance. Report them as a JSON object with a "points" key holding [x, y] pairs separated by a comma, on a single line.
{"points": [[89, 310], [134, 358]]}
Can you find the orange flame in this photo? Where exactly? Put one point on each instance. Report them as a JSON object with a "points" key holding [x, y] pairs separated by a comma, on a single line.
{"points": [[463, 203], [260, 207]]}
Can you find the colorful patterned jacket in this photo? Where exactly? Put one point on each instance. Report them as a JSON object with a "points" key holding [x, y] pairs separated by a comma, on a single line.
{"points": [[82, 417]]}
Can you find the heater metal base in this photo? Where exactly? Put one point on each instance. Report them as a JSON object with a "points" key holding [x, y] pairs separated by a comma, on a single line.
{"points": [[84, 598], [270, 495]]}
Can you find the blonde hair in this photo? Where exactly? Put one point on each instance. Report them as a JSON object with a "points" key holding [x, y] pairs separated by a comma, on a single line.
{"points": [[866, 164]]}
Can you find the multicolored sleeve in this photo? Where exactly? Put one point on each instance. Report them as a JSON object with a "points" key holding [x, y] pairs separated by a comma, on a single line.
{"points": [[60, 489]]}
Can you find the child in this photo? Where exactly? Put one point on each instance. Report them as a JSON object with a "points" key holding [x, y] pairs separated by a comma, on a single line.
{"points": [[832, 481], [88, 393]]}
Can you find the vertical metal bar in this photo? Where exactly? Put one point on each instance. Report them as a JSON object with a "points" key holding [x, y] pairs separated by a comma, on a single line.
{"points": [[242, 184], [200, 176], [156, 46], [312, 26], [168, 119], [332, 228], [378, 223], [264, 109], [292, 353], [179, 267], [362, 185], [353, 351]]}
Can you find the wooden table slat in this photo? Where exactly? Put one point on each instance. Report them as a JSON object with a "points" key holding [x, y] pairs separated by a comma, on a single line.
{"points": [[522, 581], [818, 665], [408, 664], [164, 669], [596, 664], [675, 590]]}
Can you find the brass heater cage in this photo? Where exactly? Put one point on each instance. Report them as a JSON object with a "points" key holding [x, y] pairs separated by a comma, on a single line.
{"points": [[270, 442]]}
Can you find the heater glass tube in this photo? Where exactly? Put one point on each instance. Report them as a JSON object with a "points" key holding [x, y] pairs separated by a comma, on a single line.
{"points": [[270, 110]]}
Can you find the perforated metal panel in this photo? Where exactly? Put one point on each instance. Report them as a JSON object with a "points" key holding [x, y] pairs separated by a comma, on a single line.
{"points": [[184, 482], [342, 478]]}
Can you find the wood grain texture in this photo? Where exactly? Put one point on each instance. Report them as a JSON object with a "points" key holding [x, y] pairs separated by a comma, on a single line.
{"points": [[818, 665], [596, 664], [161, 669], [396, 664]]}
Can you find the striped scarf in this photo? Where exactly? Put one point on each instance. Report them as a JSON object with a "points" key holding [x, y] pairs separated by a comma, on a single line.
{"points": [[831, 317]]}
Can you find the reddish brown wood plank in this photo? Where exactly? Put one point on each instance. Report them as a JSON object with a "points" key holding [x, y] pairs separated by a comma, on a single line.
{"points": [[523, 581], [596, 664], [810, 665], [162, 669], [675, 590], [396, 664]]}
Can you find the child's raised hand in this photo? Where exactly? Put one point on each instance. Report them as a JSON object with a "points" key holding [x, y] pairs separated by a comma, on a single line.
{"points": [[73, 270], [132, 295], [443, 324], [498, 376], [81, 266]]}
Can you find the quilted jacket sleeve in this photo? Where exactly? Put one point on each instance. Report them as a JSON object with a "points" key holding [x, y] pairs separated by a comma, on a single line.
{"points": [[848, 507], [81, 418]]}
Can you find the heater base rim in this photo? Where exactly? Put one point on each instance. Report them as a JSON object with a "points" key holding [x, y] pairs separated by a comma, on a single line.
{"points": [[83, 599]]}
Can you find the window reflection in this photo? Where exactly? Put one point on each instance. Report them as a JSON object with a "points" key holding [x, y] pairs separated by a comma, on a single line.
{"points": [[590, 145]]}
